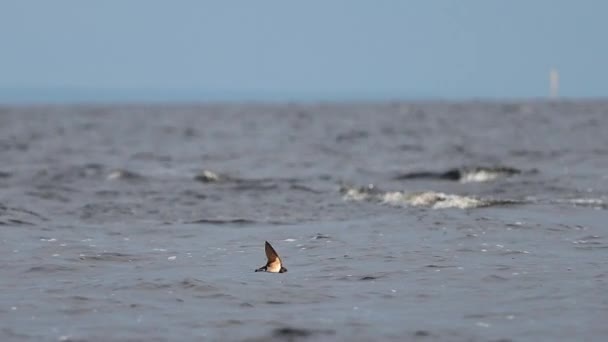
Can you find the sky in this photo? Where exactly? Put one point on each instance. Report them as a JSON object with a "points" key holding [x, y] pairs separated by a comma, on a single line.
{"points": [[308, 50]]}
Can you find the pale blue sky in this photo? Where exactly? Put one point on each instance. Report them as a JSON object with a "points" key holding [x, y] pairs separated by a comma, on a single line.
{"points": [[314, 49]]}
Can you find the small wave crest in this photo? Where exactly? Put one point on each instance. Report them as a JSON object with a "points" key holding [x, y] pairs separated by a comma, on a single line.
{"points": [[596, 203], [253, 184], [435, 200], [426, 199], [465, 174], [121, 174], [207, 176]]}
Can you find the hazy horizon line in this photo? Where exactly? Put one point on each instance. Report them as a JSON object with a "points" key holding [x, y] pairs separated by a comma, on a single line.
{"points": [[100, 95]]}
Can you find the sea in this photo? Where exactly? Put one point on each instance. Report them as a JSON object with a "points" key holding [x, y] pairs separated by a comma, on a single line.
{"points": [[397, 221]]}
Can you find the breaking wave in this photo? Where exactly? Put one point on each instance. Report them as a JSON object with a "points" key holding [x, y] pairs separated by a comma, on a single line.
{"points": [[425, 199]]}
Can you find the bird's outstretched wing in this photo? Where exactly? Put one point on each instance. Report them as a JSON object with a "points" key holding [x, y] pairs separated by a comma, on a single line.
{"points": [[271, 254]]}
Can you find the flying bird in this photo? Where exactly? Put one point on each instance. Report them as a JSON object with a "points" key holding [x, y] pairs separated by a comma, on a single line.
{"points": [[274, 264]]}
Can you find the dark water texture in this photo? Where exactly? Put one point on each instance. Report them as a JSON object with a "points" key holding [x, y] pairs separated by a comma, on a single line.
{"points": [[397, 221]]}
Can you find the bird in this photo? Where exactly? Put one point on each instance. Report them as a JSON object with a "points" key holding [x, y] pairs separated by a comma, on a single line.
{"points": [[274, 264]]}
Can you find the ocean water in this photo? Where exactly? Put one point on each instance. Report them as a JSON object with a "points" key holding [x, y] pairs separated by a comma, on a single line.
{"points": [[471, 221]]}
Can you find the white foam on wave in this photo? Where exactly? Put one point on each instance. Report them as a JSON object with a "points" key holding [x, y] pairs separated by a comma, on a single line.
{"points": [[479, 176], [207, 176], [355, 194], [596, 203], [589, 201], [431, 199], [427, 199], [484, 174]]}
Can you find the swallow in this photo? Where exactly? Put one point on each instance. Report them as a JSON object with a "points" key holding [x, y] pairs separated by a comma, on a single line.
{"points": [[274, 264]]}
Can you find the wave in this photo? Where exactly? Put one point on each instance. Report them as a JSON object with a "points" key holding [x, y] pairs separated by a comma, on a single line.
{"points": [[596, 203], [254, 184], [19, 216], [124, 175], [426, 199], [111, 256], [235, 221], [51, 268], [207, 176], [466, 174]]}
